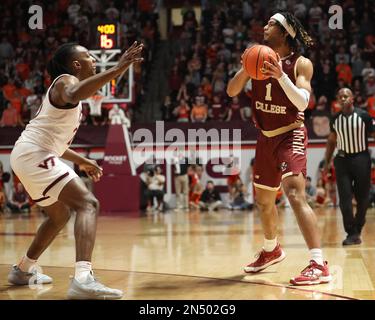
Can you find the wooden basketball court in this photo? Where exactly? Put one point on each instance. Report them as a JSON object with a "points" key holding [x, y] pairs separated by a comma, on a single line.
{"points": [[192, 255]]}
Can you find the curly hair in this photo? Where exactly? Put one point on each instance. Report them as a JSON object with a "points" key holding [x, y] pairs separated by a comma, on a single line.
{"points": [[301, 34]]}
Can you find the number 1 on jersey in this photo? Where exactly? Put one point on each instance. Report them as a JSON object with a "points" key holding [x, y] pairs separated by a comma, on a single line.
{"points": [[268, 92]]}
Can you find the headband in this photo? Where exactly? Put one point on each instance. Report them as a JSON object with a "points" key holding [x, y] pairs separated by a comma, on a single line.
{"points": [[280, 18]]}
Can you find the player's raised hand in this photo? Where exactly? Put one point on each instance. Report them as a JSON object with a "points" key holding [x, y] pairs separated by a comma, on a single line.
{"points": [[132, 55]]}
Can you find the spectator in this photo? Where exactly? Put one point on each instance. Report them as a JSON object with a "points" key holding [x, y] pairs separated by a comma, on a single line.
{"points": [[237, 197], [10, 117], [199, 112], [357, 65], [167, 109], [310, 192], [232, 172], [217, 110], [117, 116], [370, 84], [342, 57], [20, 202], [321, 198], [181, 181], [6, 50], [367, 71], [206, 88], [210, 199], [235, 112], [4, 178], [344, 72], [182, 111], [156, 181], [33, 103], [371, 105], [195, 187]]}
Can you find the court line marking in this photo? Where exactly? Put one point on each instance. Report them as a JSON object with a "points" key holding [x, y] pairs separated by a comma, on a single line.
{"points": [[221, 279]]}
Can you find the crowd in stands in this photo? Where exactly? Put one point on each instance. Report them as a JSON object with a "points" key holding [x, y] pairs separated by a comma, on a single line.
{"points": [[25, 52], [211, 48], [13, 197]]}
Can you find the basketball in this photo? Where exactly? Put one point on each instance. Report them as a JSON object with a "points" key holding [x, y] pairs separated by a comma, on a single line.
{"points": [[253, 59]]}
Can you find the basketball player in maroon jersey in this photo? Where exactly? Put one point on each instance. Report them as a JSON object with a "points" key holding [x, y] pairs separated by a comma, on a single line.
{"points": [[278, 104]]}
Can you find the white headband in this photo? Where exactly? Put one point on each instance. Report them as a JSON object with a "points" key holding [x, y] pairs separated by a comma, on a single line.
{"points": [[280, 18]]}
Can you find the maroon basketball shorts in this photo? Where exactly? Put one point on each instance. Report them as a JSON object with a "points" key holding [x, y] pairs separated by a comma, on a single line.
{"points": [[279, 157]]}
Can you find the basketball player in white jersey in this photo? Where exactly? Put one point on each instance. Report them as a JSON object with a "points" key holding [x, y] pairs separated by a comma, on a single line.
{"points": [[51, 183]]}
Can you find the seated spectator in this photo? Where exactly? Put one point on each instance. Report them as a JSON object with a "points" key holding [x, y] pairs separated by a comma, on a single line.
{"points": [[6, 50], [155, 184], [310, 192], [167, 109], [233, 172], [9, 89], [199, 111], [20, 202], [344, 72], [185, 88], [235, 112], [280, 200], [371, 105], [210, 198], [367, 70], [33, 103], [329, 182], [217, 109], [182, 111], [237, 197], [206, 88], [4, 178], [321, 198], [370, 84], [117, 116], [11, 117]]}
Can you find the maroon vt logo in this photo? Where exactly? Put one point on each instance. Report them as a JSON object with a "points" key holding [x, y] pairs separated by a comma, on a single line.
{"points": [[44, 164]]}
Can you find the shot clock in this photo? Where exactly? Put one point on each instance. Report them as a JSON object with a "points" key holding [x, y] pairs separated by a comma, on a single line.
{"points": [[107, 35]]}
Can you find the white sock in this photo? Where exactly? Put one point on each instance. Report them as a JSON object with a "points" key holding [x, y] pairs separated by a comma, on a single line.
{"points": [[269, 245], [317, 256], [82, 270], [26, 264]]}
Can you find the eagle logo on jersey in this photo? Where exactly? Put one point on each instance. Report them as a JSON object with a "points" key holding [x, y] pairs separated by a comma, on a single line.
{"points": [[283, 166]]}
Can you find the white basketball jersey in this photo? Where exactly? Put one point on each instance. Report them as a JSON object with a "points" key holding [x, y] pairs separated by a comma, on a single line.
{"points": [[53, 129]]}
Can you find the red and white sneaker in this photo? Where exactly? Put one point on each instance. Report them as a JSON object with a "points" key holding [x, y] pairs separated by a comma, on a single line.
{"points": [[313, 274], [265, 259]]}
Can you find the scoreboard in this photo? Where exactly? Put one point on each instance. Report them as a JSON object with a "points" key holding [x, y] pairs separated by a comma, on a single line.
{"points": [[107, 36]]}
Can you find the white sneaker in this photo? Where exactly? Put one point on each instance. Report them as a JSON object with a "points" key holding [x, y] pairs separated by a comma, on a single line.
{"points": [[92, 289], [20, 278]]}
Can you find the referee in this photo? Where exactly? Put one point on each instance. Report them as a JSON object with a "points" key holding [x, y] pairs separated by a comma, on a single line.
{"points": [[350, 129]]}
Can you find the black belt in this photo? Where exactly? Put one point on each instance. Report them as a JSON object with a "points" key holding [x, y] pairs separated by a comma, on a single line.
{"points": [[343, 154]]}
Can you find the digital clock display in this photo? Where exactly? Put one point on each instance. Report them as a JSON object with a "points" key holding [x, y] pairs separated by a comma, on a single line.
{"points": [[107, 35]]}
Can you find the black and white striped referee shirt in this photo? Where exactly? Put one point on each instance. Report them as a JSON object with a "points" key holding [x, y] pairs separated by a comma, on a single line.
{"points": [[352, 130]]}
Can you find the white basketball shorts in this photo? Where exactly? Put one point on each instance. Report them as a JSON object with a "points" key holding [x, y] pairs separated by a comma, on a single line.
{"points": [[41, 172]]}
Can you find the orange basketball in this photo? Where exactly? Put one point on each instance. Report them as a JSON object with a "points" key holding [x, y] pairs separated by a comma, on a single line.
{"points": [[253, 59]]}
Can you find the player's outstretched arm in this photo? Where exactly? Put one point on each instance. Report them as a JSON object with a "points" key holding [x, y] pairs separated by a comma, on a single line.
{"points": [[69, 90], [236, 84]]}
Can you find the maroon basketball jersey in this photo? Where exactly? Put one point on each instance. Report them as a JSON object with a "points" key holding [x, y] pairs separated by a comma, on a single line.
{"points": [[271, 108]]}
